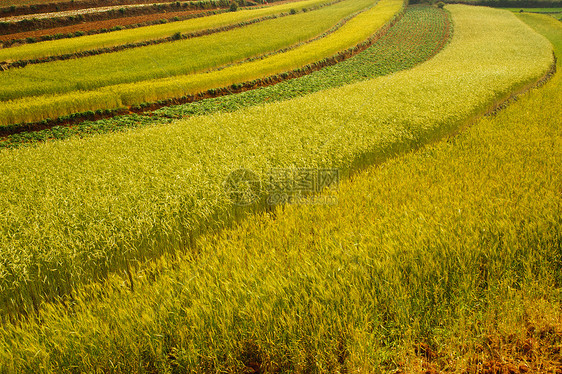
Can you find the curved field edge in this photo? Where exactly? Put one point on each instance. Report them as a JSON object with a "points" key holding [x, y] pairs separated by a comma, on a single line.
{"points": [[302, 70], [421, 33], [58, 6], [136, 195], [167, 60], [44, 21], [444, 259], [354, 31], [169, 39], [150, 33], [102, 27]]}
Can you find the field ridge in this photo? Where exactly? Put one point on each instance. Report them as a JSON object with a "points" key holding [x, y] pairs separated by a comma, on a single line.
{"points": [[5, 65], [444, 259], [364, 65], [129, 95]]}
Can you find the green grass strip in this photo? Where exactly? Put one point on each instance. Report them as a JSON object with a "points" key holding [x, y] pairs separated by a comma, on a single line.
{"points": [[117, 38], [553, 12], [455, 246], [413, 39], [545, 25]]}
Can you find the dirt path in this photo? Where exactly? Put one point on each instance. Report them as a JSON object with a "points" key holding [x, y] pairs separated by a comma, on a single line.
{"points": [[73, 12], [88, 26], [107, 24]]}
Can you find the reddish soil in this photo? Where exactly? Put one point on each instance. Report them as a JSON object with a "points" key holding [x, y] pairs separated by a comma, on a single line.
{"points": [[68, 13], [107, 24], [46, 6], [235, 88], [113, 13]]}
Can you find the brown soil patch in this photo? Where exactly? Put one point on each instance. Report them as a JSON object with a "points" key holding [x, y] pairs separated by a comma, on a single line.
{"points": [[114, 13], [47, 6], [72, 12], [107, 24], [88, 26], [537, 350], [215, 92]]}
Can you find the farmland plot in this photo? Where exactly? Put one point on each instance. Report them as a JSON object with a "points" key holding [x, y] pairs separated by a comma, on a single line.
{"points": [[416, 37], [136, 195], [444, 259], [171, 59], [92, 42], [354, 31]]}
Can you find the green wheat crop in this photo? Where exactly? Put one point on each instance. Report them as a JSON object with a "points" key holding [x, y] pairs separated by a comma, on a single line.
{"points": [[75, 211], [416, 37], [447, 246], [171, 59]]}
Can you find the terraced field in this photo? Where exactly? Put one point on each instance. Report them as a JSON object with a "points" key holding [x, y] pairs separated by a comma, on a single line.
{"points": [[124, 247], [421, 33], [553, 12], [96, 79], [93, 28], [157, 32], [139, 201], [34, 5]]}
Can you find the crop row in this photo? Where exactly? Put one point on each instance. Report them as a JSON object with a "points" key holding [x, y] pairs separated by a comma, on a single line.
{"points": [[96, 28], [169, 62], [120, 40], [553, 12], [448, 257], [231, 89], [170, 59], [414, 38], [29, 24], [49, 6], [75, 211], [512, 3], [221, 91]]}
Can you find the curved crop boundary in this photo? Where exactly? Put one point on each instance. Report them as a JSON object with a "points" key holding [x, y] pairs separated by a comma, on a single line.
{"points": [[169, 287], [62, 6], [32, 24], [374, 60], [142, 193], [511, 97], [63, 87], [209, 93], [178, 36], [16, 42]]}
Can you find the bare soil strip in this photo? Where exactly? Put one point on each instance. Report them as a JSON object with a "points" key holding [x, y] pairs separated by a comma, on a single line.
{"points": [[4, 65], [161, 11], [10, 8], [37, 22], [99, 25], [74, 12]]}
